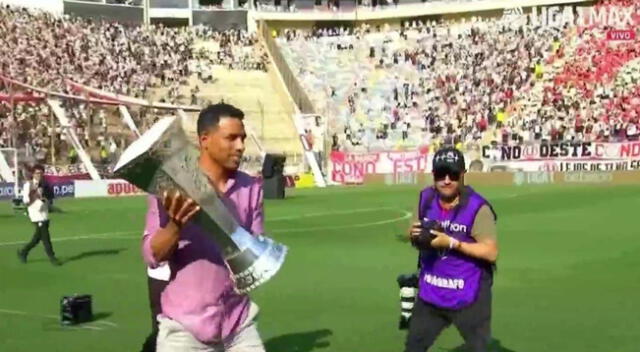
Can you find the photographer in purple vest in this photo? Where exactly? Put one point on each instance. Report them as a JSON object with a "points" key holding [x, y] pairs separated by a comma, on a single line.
{"points": [[457, 238]]}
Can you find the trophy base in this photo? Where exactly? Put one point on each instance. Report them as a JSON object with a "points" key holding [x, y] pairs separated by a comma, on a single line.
{"points": [[262, 269]]}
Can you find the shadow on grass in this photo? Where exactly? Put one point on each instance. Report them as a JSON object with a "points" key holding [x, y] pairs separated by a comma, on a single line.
{"points": [[300, 341]]}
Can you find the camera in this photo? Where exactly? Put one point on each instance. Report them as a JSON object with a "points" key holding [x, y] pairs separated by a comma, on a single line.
{"points": [[408, 290], [76, 309], [423, 241]]}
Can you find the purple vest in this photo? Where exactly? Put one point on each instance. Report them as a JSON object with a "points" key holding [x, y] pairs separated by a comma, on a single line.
{"points": [[448, 278]]}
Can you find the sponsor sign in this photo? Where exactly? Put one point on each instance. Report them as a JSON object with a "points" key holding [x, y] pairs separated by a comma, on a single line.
{"points": [[528, 178], [90, 188], [105, 188], [119, 188], [588, 177], [63, 189], [618, 17], [6, 191], [401, 178], [299, 181], [619, 34], [304, 181]]}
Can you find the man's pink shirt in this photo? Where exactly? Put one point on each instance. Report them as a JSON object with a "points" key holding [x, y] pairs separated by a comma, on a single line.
{"points": [[200, 294]]}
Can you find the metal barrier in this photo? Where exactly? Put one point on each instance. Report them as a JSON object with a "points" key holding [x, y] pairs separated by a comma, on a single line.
{"points": [[298, 94]]}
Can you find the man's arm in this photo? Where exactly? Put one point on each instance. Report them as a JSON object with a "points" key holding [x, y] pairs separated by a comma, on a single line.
{"points": [[257, 219], [26, 193], [152, 225], [161, 240], [165, 241], [415, 226], [487, 250], [484, 231], [29, 194]]}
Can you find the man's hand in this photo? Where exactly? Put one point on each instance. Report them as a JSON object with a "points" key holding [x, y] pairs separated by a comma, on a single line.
{"points": [[179, 208], [415, 229], [443, 241], [35, 194]]}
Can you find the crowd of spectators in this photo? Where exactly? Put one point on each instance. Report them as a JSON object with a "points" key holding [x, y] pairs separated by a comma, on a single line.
{"points": [[47, 52], [480, 81]]}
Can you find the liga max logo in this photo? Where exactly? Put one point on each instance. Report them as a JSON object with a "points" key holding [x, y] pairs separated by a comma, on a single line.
{"points": [[617, 17], [618, 20]]}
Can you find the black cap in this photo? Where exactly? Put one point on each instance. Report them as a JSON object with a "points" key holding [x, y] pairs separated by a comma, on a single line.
{"points": [[449, 158]]}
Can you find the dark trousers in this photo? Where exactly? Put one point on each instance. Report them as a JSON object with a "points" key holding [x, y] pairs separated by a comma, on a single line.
{"points": [[41, 234], [473, 322], [155, 290]]}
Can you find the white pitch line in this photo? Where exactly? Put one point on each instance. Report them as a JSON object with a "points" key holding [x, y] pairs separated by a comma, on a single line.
{"points": [[105, 322], [337, 212], [406, 215], [114, 235], [15, 312], [105, 235], [90, 327]]}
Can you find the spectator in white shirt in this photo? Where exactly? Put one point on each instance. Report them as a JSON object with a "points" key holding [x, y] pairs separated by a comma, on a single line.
{"points": [[318, 145], [37, 196]]}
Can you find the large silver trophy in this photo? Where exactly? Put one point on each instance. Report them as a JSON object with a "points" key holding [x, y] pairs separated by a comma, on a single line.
{"points": [[163, 159]]}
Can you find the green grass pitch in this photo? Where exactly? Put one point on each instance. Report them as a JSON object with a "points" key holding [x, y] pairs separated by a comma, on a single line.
{"points": [[568, 273]]}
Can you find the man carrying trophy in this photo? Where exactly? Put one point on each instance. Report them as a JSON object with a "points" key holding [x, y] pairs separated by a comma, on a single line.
{"points": [[202, 308]]}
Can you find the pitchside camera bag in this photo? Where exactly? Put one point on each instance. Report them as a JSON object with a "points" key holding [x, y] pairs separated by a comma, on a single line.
{"points": [[75, 309]]}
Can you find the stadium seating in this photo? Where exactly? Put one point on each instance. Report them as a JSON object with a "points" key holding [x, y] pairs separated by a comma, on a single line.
{"points": [[157, 63], [452, 82]]}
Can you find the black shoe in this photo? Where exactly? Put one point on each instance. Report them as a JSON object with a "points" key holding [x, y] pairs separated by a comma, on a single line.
{"points": [[21, 256], [55, 262]]}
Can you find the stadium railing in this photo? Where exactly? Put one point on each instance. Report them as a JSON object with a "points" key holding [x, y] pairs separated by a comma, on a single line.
{"points": [[298, 94]]}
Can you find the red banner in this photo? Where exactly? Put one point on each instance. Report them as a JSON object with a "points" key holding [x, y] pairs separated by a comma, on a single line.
{"points": [[562, 151], [66, 178], [122, 99], [351, 168], [19, 98], [66, 170]]}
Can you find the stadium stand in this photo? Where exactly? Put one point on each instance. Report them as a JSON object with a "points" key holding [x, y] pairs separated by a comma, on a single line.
{"points": [[179, 66], [456, 83], [380, 87]]}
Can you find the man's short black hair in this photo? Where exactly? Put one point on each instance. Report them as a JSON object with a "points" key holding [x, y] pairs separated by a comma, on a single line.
{"points": [[210, 116], [38, 167]]}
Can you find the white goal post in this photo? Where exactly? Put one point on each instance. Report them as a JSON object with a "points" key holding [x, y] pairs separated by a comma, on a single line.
{"points": [[9, 168]]}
